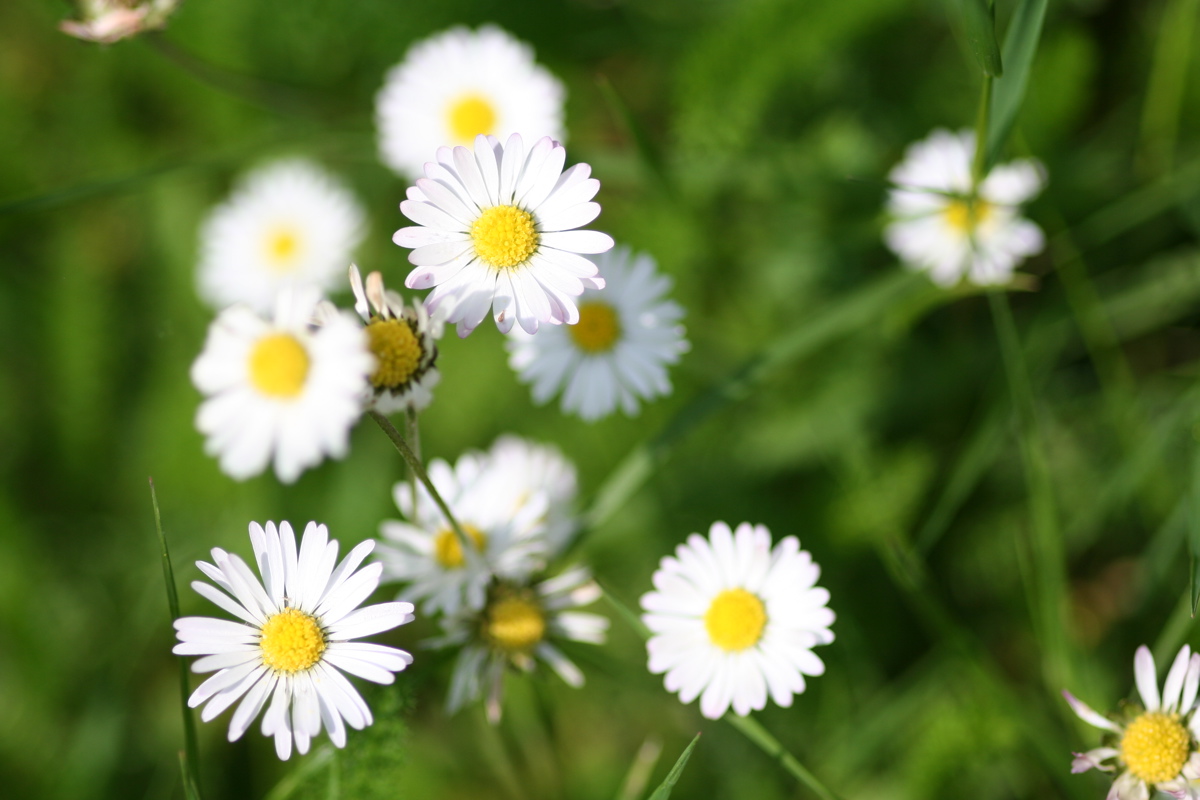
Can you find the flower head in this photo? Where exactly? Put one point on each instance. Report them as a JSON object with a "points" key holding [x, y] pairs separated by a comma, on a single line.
{"points": [[295, 637], [517, 472], [735, 619], [287, 225], [496, 229], [944, 225], [280, 390], [457, 85], [1154, 746], [618, 351]]}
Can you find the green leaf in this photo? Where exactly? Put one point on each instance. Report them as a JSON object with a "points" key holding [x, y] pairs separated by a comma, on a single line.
{"points": [[664, 790], [1020, 45], [979, 19]]}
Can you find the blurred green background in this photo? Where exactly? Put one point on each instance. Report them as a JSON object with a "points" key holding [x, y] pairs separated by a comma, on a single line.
{"points": [[982, 554]]}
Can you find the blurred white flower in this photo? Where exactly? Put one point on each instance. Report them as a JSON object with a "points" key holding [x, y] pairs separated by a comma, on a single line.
{"points": [[518, 472], [287, 225], [736, 620], [294, 638], [457, 85], [108, 21], [619, 350], [496, 230], [280, 389], [1155, 746], [940, 227], [518, 626]]}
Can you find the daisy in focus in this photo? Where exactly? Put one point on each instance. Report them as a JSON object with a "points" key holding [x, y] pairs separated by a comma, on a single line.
{"points": [[734, 620], [460, 84], [517, 627], [496, 228], [287, 225], [280, 391], [294, 639], [1153, 747], [617, 353], [939, 225], [425, 552]]}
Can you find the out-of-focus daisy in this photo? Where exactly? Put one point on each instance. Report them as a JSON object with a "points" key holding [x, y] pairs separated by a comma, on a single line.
{"points": [[518, 471], [517, 627], [940, 225], [289, 224], [108, 21], [457, 85], [426, 553], [1154, 746], [294, 640], [280, 389], [496, 229], [618, 351], [735, 620]]}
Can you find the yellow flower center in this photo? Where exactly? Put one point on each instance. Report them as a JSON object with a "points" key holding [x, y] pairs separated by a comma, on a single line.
{"points": [[448, 551], [505, 236], [292, 641], [470, 116], [282, 246], [598, 328], [1155, 746], [735, 620], [515, 624], [279, 365], [397, 351], [964, 216]]}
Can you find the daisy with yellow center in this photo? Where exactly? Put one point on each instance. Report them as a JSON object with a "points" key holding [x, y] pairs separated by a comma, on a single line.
{"points": [[1154, 747], [618, 352], [517, 626], [943, 225], [496, 229], [733, 620], [288, 225], [280, 391], [295, 637], [457, 85]]}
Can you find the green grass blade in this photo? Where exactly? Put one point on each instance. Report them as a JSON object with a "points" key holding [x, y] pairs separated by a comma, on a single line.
{"points": [[979, 21], [640, 770], [664, 789], [189, 786], [626, 613], [1020, 45]]}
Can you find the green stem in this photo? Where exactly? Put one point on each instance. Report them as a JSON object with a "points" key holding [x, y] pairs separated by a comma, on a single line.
{"points": [[418, 469], [979, 165], [412, 433], [756, 733]]}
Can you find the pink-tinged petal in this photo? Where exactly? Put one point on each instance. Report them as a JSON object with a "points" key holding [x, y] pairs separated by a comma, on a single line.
{"points": [[1085, 713], [1092, 760], [1146, 677]]}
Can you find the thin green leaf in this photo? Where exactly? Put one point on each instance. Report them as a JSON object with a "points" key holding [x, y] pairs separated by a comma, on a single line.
{"points": [[626, 613], [1020, 45], [979, 20], [641, 769], [664, 789]]}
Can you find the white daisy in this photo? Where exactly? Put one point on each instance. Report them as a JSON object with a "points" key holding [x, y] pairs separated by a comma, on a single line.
{"points": [[289, 224], [459, 84], [735, 619], [518, 471], [426, 553], [940, 226], [280, 389], [496, 229], [294, 638], [1155, 746], [517, 626], [618, 351]]}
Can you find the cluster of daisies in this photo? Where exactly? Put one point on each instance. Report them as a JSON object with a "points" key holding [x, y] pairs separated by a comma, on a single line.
{"points": [[500, 226]]}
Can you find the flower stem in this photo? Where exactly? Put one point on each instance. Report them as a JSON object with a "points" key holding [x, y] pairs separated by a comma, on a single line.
{"points": [[412, 434], [756, 733], [414, 464]]}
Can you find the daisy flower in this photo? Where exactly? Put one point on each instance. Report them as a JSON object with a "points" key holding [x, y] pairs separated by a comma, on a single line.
{"points": [[618, 351], [517, 626], [459, 84], [426, 553], [1154, 746], [294, 640], [941, 226], [519, 471], [735, 619], [496, 228], [289, 224], [280, 390]]}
